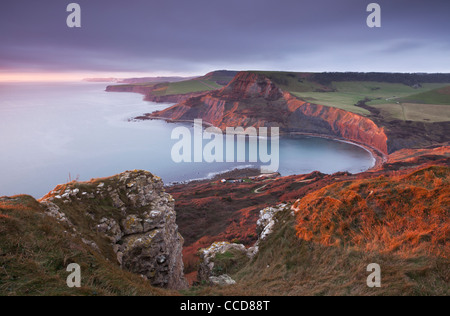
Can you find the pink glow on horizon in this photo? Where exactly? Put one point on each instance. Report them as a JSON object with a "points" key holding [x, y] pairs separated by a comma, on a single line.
{"points": [[40, 77], [71, 77]]}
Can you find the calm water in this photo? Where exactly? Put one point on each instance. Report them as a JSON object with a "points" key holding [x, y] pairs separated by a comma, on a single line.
{"points": [[51, 133]]}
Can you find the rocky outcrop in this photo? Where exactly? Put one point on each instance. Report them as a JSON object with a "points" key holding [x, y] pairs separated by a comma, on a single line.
{"points": [[265, 225], [253, 100], [208, 269], [223, 280], [129, 215]]}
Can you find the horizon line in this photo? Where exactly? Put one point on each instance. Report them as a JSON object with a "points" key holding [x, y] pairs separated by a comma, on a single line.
{"points": [[13, 77]]}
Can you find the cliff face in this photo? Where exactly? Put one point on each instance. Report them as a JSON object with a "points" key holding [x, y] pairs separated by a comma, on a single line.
{"points": [[326, 120], [253, 100], [128, 217]]}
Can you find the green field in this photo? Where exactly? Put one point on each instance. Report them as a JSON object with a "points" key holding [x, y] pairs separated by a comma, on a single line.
{"points": [[347, 94], [341, 100], [415, 112], [441, 95], [194, 85], [184, 87], [428, 102]]}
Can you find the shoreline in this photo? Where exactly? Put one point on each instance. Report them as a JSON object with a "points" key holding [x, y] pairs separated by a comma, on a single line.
{"points": [[246, 172], [379, 157]]}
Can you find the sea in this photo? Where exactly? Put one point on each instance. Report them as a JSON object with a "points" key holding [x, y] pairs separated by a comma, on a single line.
{"points": [[53, 133]]}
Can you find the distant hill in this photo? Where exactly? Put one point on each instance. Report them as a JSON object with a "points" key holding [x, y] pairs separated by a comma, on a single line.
{"points": [[177, 91], [138, 80], [154, 79], [109, 80], [221, 77]]}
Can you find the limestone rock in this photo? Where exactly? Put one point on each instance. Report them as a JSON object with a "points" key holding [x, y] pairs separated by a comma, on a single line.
{"points": [[132, 225], [265, 224], [110, 228], [207, 256], [133, 213], [223, 280], [54, 211]]}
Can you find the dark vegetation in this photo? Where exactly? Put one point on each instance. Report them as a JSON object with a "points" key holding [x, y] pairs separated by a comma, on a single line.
{"points": [[409, 79]]}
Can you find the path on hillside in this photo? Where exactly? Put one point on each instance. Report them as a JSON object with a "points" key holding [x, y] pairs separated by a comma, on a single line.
{"points": [[403, 111], [208, 85]]}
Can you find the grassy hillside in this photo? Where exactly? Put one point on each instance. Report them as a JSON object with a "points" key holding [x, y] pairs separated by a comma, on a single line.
{"points": [[431, 113], [189, 86], [405, 214], [290, 266], [211, 81], [406, 236], [438, 96], [173, 88]]}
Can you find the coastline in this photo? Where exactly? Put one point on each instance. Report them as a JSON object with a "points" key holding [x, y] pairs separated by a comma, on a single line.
{"points": [[247, 171], [379, 157]]}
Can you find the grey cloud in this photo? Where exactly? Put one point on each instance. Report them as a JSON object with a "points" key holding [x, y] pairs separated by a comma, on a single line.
{"points": [[179, 35]]}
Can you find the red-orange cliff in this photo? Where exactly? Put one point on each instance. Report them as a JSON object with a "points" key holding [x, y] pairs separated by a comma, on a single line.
{"points": [[253, 100]]}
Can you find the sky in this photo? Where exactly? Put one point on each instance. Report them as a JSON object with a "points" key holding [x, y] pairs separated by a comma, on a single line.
{"points": [[192, 37]]}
